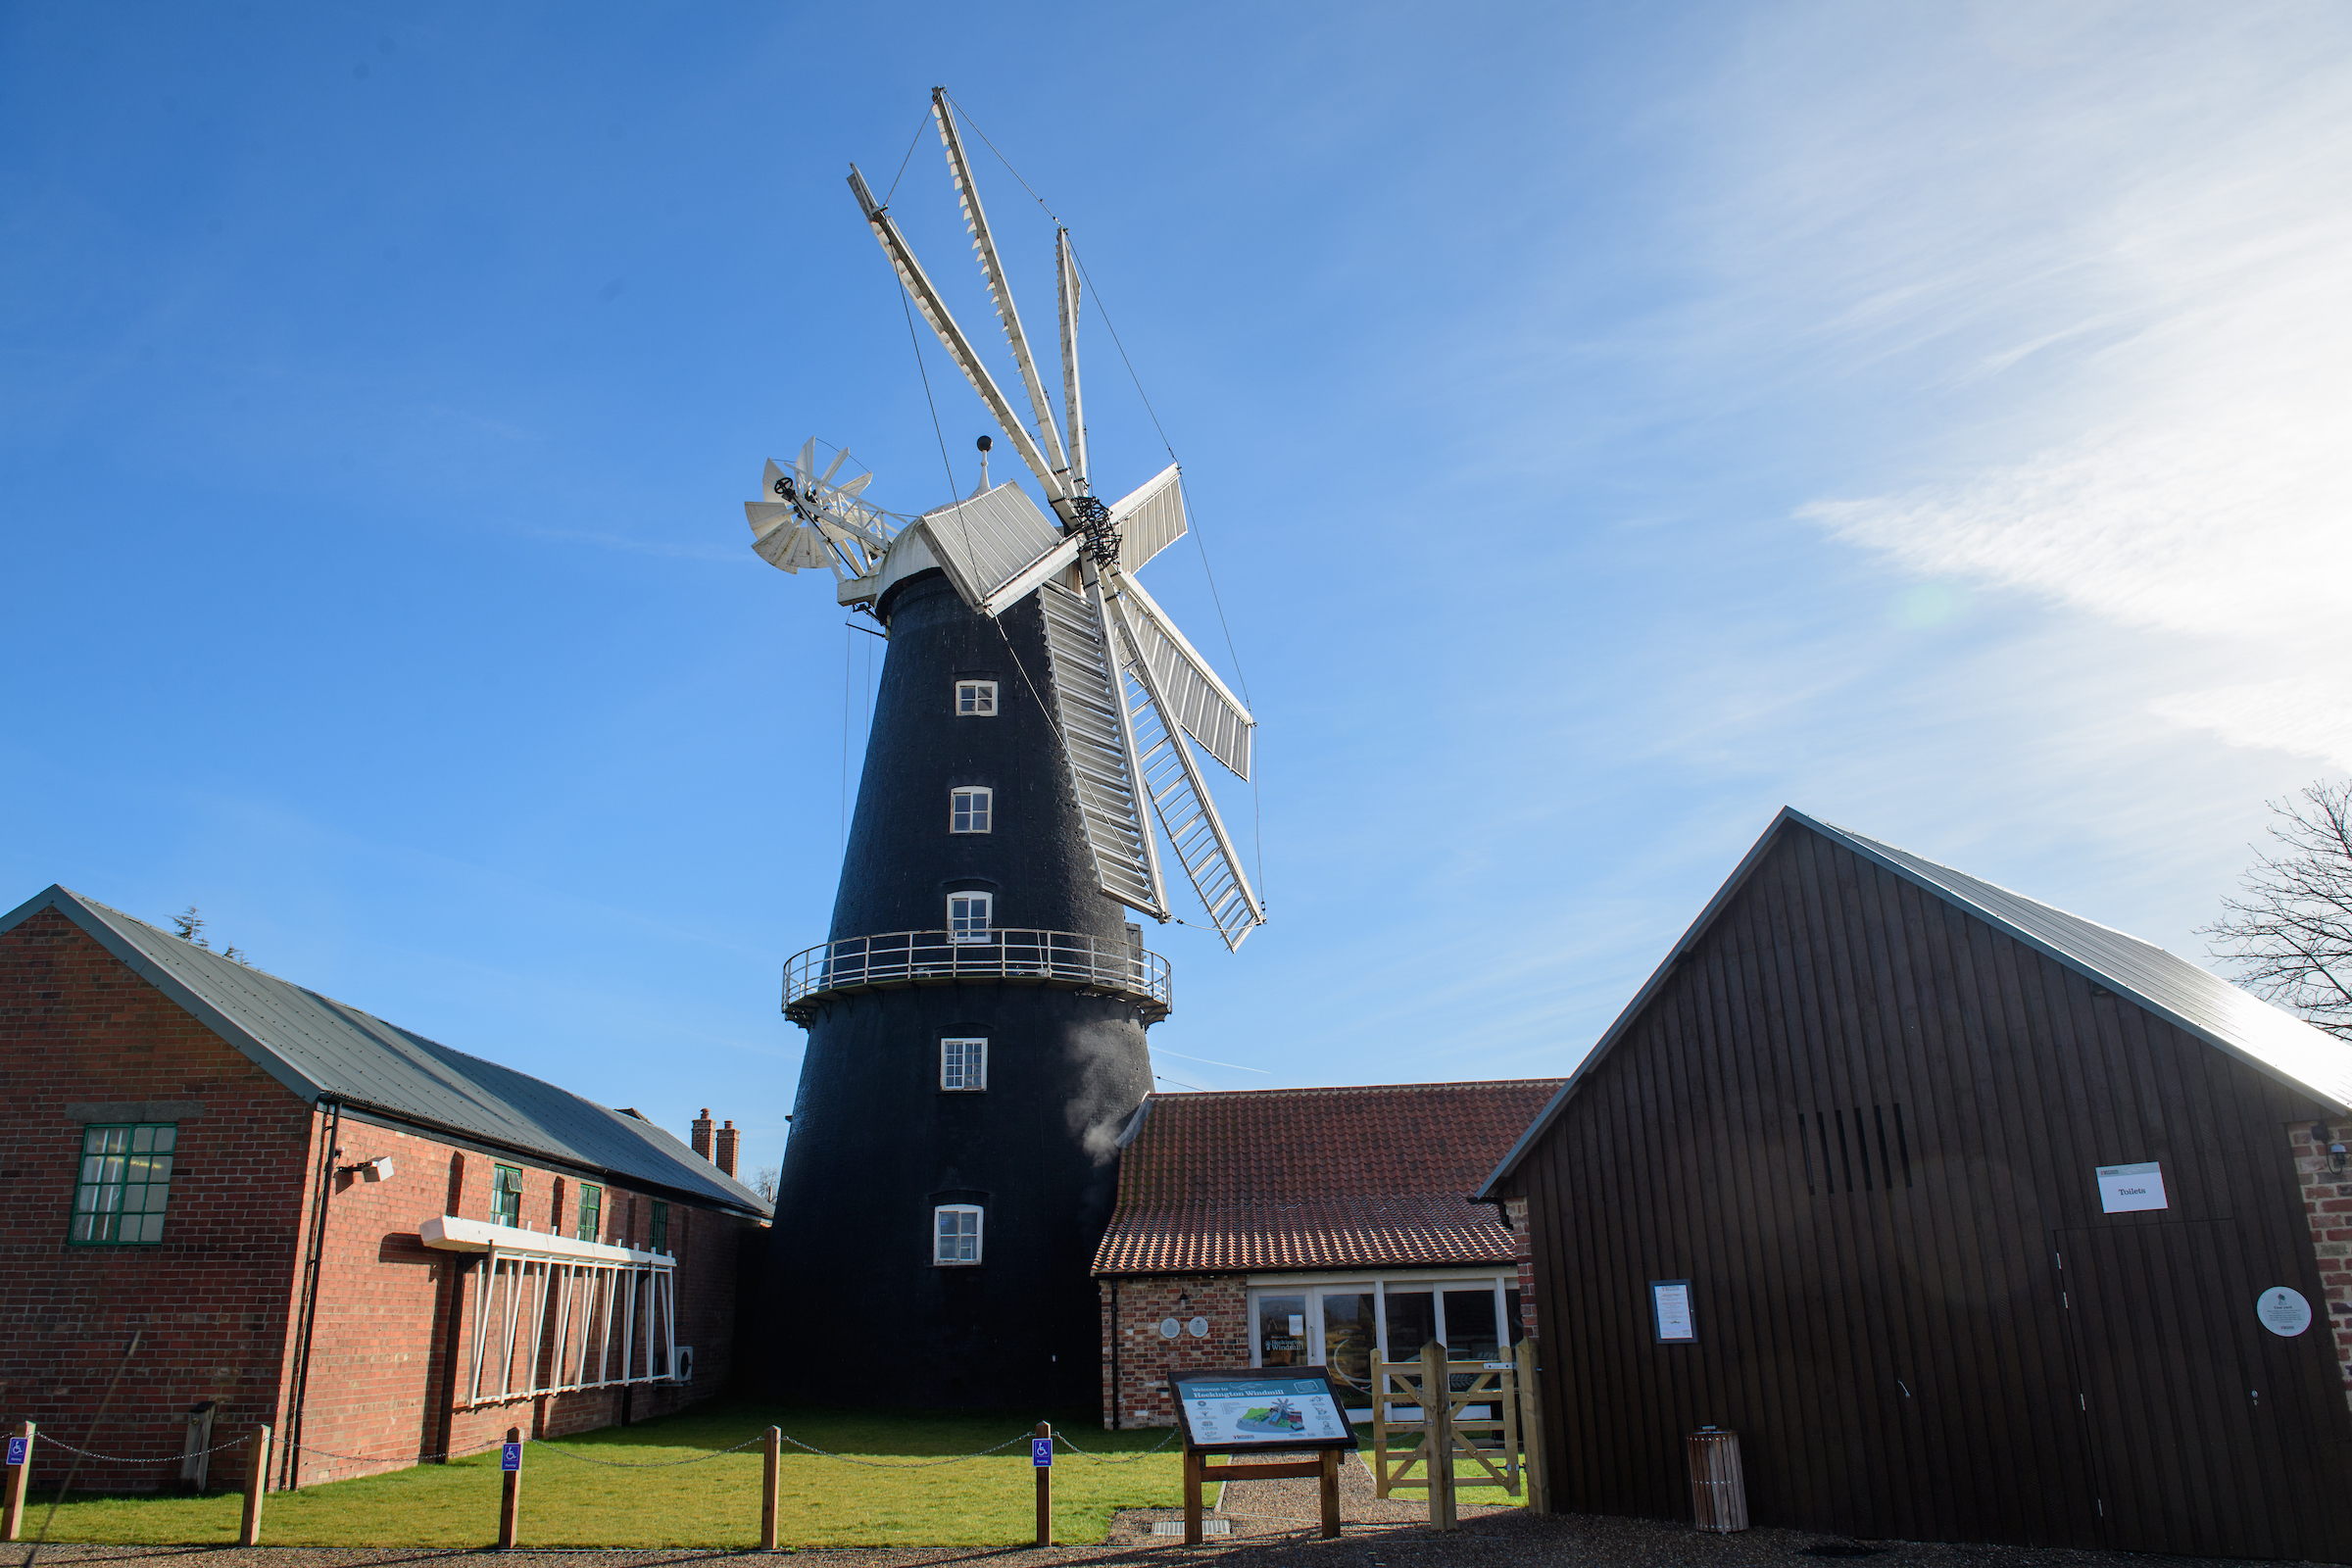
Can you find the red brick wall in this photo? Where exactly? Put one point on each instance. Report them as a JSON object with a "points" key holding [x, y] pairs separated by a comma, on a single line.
{"points": [[212, 1300], [382, 1334], [1514, 1210], [1145, 1358], [2328, 1205], [217, 1299]]}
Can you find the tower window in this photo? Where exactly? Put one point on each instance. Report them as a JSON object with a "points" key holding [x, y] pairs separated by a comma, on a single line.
{"points": [[969, 811], [976, 699], [970, 915], [964, 1063], [955, 1234]]}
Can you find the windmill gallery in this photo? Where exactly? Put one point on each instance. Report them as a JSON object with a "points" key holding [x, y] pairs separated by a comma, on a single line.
{"points": [[1979, 1221]]}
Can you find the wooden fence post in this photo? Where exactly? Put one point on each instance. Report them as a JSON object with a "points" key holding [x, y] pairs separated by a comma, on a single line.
{"points": [[20, 1478], [1192, 1496], [1045, 1484], [1327, 1485], [257, 1482], [768, 1491], [1437, 1434], [510, 1495], [1531, 1430]]}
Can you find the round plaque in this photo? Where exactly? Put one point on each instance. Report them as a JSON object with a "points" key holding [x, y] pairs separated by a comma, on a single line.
{"points": [[2283, 1311], [1170, 1328], [1198, 1327]]}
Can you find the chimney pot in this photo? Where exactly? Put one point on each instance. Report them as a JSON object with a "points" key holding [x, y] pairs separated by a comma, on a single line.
{"points": [[702, 1134], [725, 1156]]}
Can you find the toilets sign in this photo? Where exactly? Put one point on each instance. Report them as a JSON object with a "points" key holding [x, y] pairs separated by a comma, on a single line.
{"points": [[2128, 1189]]}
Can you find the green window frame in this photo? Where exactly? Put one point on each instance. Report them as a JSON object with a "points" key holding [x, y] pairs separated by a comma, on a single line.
{"points": [[661, 1241], [592, 1211], [505, 1194], [125, 1182]]}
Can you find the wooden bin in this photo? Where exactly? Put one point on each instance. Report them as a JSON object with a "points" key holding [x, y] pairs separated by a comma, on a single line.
{"points": [[1718, 1490]]}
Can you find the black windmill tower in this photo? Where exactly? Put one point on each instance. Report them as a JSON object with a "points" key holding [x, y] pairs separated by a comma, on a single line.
{"points": [[976, 1017]]}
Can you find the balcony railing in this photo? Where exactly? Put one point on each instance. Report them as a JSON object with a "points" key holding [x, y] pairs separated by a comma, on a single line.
{"points": [[1064, 960]]}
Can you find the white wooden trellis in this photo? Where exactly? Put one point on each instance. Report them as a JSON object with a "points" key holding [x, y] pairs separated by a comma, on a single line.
{"points": [[553, 1315]]}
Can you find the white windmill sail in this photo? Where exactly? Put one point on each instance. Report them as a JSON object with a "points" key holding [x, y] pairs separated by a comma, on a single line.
{"points": [[1100, 745], [1065, 270], [1150, 519], [1200, 703], [1181, 795], [983, 245]]}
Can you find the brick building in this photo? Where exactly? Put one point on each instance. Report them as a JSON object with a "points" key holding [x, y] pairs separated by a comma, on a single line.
{"points": [[307, 1216], [1298, 1227]]}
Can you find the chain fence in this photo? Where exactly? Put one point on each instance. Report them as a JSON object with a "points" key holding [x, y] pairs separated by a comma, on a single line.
{"points": [[48, 1442]]}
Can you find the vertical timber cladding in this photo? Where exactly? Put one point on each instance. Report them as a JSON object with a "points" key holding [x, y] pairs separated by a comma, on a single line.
{"points": [[1899, 1348], [853, 1308]]}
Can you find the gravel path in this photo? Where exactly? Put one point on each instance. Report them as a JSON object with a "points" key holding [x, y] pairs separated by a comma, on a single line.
{"points": [[1492, 1539]]}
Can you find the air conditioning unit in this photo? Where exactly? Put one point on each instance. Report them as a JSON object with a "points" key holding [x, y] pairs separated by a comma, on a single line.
{"points": [[681, 1363]]}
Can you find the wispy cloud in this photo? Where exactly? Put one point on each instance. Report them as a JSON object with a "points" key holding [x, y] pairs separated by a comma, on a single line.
{"points": [[2132, 259]]}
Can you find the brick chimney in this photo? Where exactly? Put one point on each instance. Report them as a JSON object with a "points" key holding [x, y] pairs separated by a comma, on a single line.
{"points": [[726, 1159], [702, 1133]]}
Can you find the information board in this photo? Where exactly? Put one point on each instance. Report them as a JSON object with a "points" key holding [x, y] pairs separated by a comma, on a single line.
{"points": [[1261, 1407], [2128, 1189], [2284, 1310], [1670, 1311]]}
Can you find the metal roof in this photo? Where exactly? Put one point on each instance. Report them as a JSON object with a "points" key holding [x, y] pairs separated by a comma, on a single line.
{"points": [[322, 1047], [2193, 999]]}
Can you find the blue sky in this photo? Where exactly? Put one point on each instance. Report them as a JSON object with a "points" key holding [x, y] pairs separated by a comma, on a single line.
{"points": [[1605, 426]]}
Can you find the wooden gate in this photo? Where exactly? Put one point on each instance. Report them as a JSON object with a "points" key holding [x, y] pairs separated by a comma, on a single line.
{"points": [[1445, 1446]]}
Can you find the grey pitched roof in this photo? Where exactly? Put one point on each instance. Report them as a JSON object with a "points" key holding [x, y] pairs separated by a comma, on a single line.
{"points": [[2267, 1038], [317, 1046]]}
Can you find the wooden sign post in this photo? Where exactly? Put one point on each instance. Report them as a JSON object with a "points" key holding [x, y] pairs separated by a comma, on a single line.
{"points": [[510, 1497], [257, 1482], [767, 1490], [1262, 1410], [1041, 1459], [20, 1478]]}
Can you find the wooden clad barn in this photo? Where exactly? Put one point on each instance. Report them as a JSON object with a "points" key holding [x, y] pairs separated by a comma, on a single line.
{"points": [[1976, 1220]]}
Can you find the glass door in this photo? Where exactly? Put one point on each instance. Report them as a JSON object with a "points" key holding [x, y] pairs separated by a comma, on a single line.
{"points": [[1350, 1340], [1282, 1330]]}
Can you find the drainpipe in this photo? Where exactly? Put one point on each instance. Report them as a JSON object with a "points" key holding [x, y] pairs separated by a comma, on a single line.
{"points": [[291, 1474], [1116, 1390]]}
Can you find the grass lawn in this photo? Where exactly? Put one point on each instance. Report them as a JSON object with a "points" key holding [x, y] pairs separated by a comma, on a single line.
{"points": [[567, 1503]]}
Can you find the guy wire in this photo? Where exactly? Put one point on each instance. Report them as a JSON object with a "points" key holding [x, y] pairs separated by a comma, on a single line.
{"points": [[909, 159]]}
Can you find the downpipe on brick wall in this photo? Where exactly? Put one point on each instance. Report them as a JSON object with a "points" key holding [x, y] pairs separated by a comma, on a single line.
{"points": [[292, 1474], [1116, 1391]]}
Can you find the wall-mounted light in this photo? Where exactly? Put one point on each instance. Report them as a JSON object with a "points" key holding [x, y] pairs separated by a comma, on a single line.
{"points": [[2320, 1138], [378, 1169], [2335, 1159]]}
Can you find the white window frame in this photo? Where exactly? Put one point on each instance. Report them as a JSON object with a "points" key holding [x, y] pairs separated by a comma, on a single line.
{"points": [[938, 1238], [984, 699], [982, 810], [1314, 1287], [965, 930], [969, 1054]]}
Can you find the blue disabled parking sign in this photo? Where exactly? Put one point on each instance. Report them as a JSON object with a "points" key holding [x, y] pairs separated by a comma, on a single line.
{"points": [[510, 1456], [1040, 1453], [15, 1449]]}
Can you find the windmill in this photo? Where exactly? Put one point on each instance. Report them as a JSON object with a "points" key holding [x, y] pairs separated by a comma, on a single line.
{"points": [[1127, 689]]}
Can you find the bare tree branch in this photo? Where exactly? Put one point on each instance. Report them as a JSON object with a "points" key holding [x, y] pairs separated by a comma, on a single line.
{"points": [[2290, 936]]}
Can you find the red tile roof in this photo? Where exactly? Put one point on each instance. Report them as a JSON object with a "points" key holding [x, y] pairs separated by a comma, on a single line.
{"points": [[1317, 1178]]}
